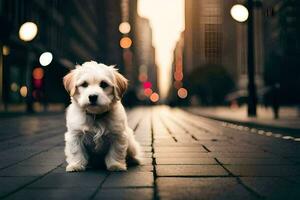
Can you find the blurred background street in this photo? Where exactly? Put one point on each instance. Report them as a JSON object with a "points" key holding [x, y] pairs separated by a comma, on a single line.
{"points": [[214, 95], [184, 53]]}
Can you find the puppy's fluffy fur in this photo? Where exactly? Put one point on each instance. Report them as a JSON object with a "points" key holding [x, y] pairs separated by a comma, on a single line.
{"points": [[103, 117]]}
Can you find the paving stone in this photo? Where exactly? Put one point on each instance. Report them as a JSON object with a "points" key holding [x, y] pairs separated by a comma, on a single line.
{"points": [[49, 194], [18, 170], [183, 155], [190, 170], [175, 149], [254, 161], [185, 161], [85, 179], [125, 194], [140, 168], [235, 149], [242, 155], [264, 170], [10, 184], [273, 187], [201, 188], [146, 161], [129, 179]]}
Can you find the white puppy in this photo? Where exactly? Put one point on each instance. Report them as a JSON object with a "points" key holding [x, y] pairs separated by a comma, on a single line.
{"points": [[96, 110]]}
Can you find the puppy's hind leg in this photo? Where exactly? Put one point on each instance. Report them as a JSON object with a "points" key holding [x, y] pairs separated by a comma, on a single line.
{"points": [[76, 156], [134, 152]]}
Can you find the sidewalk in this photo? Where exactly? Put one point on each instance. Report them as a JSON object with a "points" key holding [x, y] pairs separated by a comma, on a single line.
{"points": [[289, 119], [185, 157]]}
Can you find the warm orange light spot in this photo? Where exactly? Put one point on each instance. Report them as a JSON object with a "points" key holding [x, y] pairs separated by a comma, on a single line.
{"points": [[154, 97], [148, 92], [23, 91], [182, 93], [38, 73], [5, 50], [143, 77], [125, 42], [178, 75], [177, 84]]}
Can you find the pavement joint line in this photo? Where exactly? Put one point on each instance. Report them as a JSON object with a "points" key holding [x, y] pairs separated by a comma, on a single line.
{"points": [[155, 187], [27, 158], [205, 148], [180, 125], [167, 128], [30, 182], [99, 186], [239, 180], [194, 124]]}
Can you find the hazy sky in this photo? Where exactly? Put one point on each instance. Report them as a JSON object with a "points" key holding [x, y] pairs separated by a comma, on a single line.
{"points": [[167, 22]]}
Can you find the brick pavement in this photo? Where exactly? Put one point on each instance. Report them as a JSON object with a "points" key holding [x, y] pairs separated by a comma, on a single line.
{"points": [[185, 157]]}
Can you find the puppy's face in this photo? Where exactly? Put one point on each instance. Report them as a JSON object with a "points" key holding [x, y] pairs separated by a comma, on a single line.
{"points": [[95, 87]]}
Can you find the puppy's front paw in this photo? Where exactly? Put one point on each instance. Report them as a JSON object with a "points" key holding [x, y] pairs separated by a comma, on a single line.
{"points": [[75, 168], [117, 167], [113, 165]]}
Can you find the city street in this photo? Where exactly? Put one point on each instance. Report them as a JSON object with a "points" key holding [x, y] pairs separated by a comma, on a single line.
{"points": [[185, 157]]}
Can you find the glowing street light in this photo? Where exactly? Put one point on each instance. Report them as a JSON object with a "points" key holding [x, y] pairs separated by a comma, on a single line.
{"points": [[46, 58], [239, 13], [124, 27], [28, 31]]}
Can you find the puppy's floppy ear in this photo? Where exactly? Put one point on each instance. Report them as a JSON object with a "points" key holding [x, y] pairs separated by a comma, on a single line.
{"points": [[121, 84], [69, 83]]}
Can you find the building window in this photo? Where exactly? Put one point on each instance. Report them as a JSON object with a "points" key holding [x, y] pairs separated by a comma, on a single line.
{"points": [[213, 43]]}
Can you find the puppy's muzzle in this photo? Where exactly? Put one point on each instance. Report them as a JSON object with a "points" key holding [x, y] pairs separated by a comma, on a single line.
{"points": [[93, 99]]}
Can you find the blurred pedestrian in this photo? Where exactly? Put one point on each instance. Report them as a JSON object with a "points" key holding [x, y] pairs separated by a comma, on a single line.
{"points": [[275, 100]]}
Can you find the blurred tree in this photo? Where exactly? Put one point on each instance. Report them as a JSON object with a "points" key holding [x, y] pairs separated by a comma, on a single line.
{"points": [[210, 83]]}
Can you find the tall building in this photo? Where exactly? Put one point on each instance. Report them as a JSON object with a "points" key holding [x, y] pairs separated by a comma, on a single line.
{"points": [[73, 31], [141, 70], [282, 48], [212, 36]]}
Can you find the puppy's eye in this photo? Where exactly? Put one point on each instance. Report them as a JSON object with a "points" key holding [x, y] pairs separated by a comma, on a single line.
{"points": [[84, 84], [103, 85]]}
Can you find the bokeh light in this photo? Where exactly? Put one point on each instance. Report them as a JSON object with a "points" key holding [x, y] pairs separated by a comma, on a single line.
{"points": [[154, 97], [124, 27], [125, 42], [239, 13], [14, 87], [23, 91], [147, 85], [28, 31], [178, 84], [38, 73], [178, 75], [148, 92], [143, 77], [182, 93], [5, 50], [46, 58]]}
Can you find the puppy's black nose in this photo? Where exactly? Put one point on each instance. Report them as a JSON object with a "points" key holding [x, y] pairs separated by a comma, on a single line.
{"points": [[93, 99]]}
